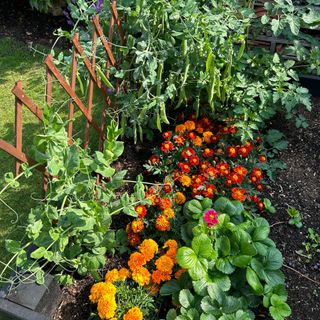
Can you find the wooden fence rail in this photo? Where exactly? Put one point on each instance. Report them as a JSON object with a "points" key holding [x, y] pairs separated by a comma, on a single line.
{"points": [[52, 72]]}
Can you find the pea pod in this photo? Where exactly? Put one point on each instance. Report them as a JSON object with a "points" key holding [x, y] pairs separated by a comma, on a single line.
{"points": [[123, 124], [182, 97], [163, 114], [184, 47], [197, 105], [140, 132], [159, 78], [104, 78], [80, 83], [209, 61], [158, 121], [241, 50], [185, 76], [134, 132]]}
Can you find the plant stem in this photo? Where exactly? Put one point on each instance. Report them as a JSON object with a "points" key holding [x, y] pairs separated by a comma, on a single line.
{"points": [[302, 275]]}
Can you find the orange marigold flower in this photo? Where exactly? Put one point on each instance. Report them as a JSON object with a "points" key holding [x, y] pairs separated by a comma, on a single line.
{"points": [[123, 274], [179, 273], [107, 307], [158, 276], [179, 140], [243, 151], [141, 210], [133, 239], [133, 314], [154, 159], [162, 223], [241, 171], [142, 276], [181, 128], [262, 158], [137, 225], [171, 244], [232, 151], [169, 213], [207, 136], [101, 289], [165, 203], [112, 276], [207, 152], [209, 191], [260, 206], [136, 261], [179, 198], [197, 141], [194, 160], [238, 194], [190, 125], [148, 248], [185, 180], [256, 172], [165, 264], [167, 135], [184, 167]]}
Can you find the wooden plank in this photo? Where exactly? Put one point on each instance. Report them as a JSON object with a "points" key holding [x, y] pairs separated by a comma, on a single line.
{"points": [[70, 92], [18, 127], [118, 21]]}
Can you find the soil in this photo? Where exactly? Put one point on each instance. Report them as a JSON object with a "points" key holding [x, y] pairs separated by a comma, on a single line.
{"points": [[297, 187]]}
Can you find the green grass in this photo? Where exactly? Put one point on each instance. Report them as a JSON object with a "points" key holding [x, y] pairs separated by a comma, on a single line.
{"points": [[18, 62]]}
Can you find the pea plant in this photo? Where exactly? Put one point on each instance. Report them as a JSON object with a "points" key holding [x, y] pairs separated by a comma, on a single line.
{"points": [[70, 230]]}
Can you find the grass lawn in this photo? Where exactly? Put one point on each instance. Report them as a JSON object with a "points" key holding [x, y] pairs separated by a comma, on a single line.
{"points": [[17, 62]]}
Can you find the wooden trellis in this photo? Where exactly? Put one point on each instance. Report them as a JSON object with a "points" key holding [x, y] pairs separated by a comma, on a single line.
{"points": [[21, 98]]}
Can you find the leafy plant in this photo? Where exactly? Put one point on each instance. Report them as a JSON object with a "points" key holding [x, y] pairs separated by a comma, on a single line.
{"points": [[311, 245], [295, 217]]}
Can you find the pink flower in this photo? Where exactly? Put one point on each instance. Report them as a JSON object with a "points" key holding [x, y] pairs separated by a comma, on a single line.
{"points": [[210, 217]]}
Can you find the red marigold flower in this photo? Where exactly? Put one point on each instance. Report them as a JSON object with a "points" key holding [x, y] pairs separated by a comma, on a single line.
{"points": [[176, 175], [210, 217], [167, 188], [134, 239], [179, 140], [224, 130], [166, 146], [188, 152], [259, 187], [232, 129], [154, 159], [232, 151], [223, 167], [238, 194], [141, 211], [194, 160], [207, 152], [212, 172], [137, 225], [243, 151], [235, 178], [191, 135], [249, 145], [167, 135], [198, 180], [165, 203], [215, 138], [256, 172], [241, 171], [259, 139], [184, 167], [262, 158], [228, 182], [209, 191]]}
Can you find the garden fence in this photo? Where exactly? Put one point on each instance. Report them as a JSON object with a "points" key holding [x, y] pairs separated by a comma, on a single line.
{"points": [[22, 99]]}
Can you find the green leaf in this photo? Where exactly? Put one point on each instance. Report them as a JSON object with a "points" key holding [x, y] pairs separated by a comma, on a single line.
{"points": [[12, 246], [274, 259], [199, 270], [224, 265], [186, 257], [170, 287], [275, 24], [222, 245], [192, 208], [202, 246], [294, 24], [241, 261], [254, 281], [186, 298], [38, 253], [171, 315]]}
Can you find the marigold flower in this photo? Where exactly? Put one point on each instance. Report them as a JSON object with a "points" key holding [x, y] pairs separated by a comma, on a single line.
{"points": [[179, 273], [232, 129], [215, 138], [260, 206], [207, 136], [166, 146], [238, 194], [159, 276], [185, 180], [123, 274], [179, 140], [141, 275], [197, 181], [106, 307], [154, 159], [162, 223], [210, 217], [133, 239], [181, 128], [167, 135], [148, 248], [194, 160], [190, 125], [179, 198], [242, 171], [184, 167], [191, 135], [167, 188], [207, 152], [197, 141], [188, 152], [212, 172], [164, 264], [171, 244], [232, 151], [136, 261], [235, 178], [112, 276], [243, 151], [209, 191], [169, 213], [249, 145], [141, 211], [256, 172], [133, 314], [223, 168], [137, 225], [165, 203], [259, 187], [262, 158], [101, 289]]}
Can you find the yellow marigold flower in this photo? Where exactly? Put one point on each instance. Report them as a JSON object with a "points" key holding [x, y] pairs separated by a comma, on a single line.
{"points": [[207, 136], [101, 289], [137, 225], [106, 307], [179, 198], [123, 274], [148, 248], [169, 213], [165, 264], [180, 128], [136, 261], [185, 180], [162, 223], [197, 141], [178, 274], [190, 125], [141, 276], [171, 244], [133, 314], [112, 276], [158, 276]]}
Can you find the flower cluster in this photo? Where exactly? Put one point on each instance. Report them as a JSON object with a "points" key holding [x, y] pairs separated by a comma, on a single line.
{"points": [[208, 160], [162, 267]]}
